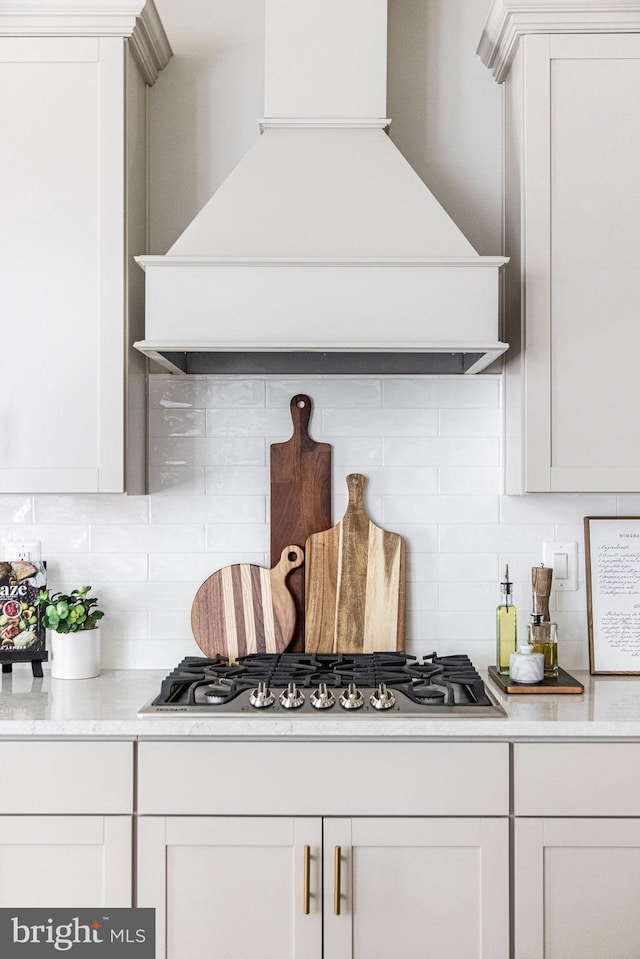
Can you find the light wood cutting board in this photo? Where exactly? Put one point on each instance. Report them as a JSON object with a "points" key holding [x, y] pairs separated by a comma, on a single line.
{"points": [[300, 498], [244, 608], [355, 584]]}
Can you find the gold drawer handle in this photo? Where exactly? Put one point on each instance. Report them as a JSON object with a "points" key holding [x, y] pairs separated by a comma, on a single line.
{"points": [[306, 891], [337, 857]]}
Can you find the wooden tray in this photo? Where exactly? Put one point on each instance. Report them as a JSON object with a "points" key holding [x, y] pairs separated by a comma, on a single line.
{"points": [[562, 683]]}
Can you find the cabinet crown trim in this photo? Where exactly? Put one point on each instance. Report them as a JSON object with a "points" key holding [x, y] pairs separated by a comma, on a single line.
{"points": [[510, 20], [135, 20]]}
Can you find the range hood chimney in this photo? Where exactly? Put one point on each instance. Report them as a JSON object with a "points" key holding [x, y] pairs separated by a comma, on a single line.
{"points": [[323, 251]]}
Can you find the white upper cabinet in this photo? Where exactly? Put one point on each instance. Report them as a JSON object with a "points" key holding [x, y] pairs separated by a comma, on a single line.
{"points": [[572, 230], [73, 200]]}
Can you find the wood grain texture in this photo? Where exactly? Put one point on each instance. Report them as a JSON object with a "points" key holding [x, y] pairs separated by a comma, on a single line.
{"points": [[243, 608], [355, 583], [300, 498], [541, 579]]}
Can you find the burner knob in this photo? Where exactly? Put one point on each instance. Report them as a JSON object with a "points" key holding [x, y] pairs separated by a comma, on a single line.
{"points": [[322, 698], [382, 698], [261, 697], [351, 698], [291, 697]]}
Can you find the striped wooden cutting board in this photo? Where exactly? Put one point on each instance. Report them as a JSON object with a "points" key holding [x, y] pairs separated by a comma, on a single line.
{"points": [[355, 584], [244, 608]]}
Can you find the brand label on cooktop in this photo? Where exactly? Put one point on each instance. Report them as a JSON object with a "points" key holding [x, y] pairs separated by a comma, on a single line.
{"points": [[34, 933]]}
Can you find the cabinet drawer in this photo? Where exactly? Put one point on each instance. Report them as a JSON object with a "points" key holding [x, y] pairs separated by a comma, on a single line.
{"points": [[577, 779], [66, 777], [401, 779]]}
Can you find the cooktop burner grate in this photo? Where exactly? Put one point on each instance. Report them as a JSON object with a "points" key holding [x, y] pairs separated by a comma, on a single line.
{"points": [[299, 685]]}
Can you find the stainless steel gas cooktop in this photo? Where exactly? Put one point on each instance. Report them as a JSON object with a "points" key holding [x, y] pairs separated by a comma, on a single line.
{"points": [[313, 686]]}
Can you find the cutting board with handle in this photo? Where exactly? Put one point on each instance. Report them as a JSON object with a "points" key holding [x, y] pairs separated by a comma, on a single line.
{"points": [[244, 608], [300, 498], [355, 584]]}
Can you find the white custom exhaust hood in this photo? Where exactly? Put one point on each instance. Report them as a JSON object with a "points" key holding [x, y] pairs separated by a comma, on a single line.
{"points": [[323, 251]]}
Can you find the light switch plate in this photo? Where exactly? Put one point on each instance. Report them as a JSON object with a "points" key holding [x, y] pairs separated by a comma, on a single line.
{"points": [[563, 559]]}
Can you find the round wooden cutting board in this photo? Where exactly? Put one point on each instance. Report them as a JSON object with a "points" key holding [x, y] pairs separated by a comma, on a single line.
{"points": [[243, 608]]}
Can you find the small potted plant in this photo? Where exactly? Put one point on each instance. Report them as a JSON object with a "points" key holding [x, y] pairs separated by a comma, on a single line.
{"points": [[72, 621]]}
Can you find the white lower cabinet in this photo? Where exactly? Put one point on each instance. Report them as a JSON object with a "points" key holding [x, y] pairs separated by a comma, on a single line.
{"points": [[577, 888], [363, 888], [66, 811], [329, 850], [577, 850], [65, 861]]}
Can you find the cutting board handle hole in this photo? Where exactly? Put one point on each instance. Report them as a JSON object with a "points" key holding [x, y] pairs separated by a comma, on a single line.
{"points": [[301, 404]]}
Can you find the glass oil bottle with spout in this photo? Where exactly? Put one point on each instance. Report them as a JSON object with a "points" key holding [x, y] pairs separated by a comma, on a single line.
{"points": [[506, 625]]}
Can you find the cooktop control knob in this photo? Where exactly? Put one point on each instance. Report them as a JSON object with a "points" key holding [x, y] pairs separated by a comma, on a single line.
{"points": [[382, 698], [261, 697], [322, 698], [291, 697], [351, 697]]}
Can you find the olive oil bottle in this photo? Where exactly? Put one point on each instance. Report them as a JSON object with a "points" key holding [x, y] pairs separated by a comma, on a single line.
{"points": [[506, 625]]}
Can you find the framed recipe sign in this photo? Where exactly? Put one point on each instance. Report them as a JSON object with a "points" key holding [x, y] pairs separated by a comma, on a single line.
{"points": [[612, 553]]}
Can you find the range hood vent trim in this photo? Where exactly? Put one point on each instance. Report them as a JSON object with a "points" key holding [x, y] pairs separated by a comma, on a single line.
{"points": [[323, 239]]}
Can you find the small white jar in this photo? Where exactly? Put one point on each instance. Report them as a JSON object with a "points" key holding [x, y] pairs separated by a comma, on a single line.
{"points": [[525, 666]]}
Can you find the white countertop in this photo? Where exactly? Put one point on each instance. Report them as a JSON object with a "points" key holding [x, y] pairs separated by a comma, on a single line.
{"points": [[107, 707]]}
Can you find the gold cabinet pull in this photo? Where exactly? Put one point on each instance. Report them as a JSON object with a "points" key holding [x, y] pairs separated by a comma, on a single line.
{"points": [[337, 857], [306, 882]]}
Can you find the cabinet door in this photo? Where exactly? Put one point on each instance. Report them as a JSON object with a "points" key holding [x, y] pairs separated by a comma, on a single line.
{"points": [[232, 887], [577, 888], [65, 861], [62, 263], [580, 282], [416, 888]]}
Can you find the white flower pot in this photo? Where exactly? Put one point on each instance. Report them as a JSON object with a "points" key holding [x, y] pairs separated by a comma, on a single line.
{"points": [[75, 655]]}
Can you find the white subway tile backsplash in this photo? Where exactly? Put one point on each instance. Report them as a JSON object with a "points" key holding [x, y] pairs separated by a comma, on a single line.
{"points": [[177, 479], [16, 509], [147, 539], [263, 423], [98, 508], [465, 422], [195, 567], [430, 450], [467, 596], [473, 480], [170, 624], [240, 538], [486, 538], [466, 567], [363, 451], [325, 391], [410, 423], [440, 509], [442, 451], [238, 479], [206, 451], [554, 507], [177, 422], [204, 392], [81, 569], [53, 539], [446, 392], [182, 510]]}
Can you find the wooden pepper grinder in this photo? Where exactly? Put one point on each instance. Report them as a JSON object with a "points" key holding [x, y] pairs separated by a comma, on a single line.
{"points": [[541, 577]]}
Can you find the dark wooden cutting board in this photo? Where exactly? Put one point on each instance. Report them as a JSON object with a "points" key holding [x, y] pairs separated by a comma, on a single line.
{"points": [[244, 608], [300, 498], [355, 584]]}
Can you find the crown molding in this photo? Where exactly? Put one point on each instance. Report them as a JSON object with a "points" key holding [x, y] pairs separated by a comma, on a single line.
{"points": [[509, 20], [135, 20]]}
